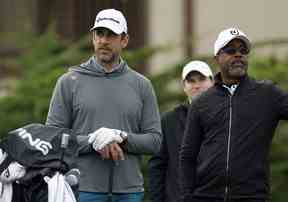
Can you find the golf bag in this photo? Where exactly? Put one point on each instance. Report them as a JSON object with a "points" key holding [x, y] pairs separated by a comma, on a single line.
{"points": [[36, 159]]}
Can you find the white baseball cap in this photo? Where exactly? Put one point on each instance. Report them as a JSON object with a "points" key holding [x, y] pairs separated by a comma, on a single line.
{"points": [[198, 66], [228, 35], [111, 19]]}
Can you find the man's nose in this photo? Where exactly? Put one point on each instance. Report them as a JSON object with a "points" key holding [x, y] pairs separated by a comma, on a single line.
{"points": [[196, 86], [238, 54], [103, 39]]}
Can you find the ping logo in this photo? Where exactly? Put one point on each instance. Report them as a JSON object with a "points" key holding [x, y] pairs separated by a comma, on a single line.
{"points": [[40, 145], [234, 32]]}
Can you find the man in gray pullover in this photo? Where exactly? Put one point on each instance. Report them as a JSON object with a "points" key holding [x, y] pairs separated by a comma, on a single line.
{"points": [[117, 107]]}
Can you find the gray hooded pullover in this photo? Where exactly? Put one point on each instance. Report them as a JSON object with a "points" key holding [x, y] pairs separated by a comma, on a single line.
{"points": [[87, 98]]}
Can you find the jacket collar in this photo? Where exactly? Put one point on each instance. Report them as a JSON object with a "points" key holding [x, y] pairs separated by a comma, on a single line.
{"points": [[246, 83]]}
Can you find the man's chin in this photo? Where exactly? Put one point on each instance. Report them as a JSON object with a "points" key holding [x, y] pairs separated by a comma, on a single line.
{"points": [[194, 97], [238, 73], [105, 60]]}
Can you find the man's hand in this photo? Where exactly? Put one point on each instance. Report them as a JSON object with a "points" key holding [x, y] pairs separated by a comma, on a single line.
{"points": [[103, 137], [112, 151]]}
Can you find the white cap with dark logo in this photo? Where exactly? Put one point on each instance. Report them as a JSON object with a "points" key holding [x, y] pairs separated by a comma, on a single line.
{"points": [[228, 35], [111, 19], [197, 66]]}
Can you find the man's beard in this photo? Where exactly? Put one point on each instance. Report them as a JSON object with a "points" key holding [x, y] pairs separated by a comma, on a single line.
{"points": [[234, 71], [105, 59]]}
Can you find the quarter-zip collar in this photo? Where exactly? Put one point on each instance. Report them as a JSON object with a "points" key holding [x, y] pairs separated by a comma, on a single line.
{"points": [[93, 68]]}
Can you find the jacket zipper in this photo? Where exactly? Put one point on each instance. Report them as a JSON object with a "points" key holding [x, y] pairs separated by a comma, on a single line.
{"points": [[228, 149]]}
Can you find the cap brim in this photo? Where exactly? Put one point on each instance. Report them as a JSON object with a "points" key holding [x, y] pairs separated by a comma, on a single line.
{"points": [[242, 38], [204, 73], [108, 25]]}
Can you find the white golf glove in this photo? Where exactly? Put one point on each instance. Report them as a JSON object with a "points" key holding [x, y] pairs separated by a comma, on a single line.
{"points": [[103, 137]]}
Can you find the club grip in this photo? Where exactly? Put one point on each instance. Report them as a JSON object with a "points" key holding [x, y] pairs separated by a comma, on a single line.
{"points": [[64, 140]]}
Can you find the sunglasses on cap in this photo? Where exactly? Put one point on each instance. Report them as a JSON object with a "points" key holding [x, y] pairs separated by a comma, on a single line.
{"points": [[231, 51]]}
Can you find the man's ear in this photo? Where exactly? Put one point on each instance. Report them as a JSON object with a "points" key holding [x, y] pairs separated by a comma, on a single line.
{"points": [[93, 34], [124, 40], [183, 83], [216, 58], [184, 87]]}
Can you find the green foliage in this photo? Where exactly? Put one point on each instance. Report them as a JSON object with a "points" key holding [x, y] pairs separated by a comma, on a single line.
{"points": [[46, 58], [42, 63]]}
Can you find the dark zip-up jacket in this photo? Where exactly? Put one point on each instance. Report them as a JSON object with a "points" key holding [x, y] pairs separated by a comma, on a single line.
{"points": [[163, 167], [226, 144]]}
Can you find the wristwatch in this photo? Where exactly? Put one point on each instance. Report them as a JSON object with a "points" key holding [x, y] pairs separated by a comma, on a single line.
{"points": [[123, 135]]}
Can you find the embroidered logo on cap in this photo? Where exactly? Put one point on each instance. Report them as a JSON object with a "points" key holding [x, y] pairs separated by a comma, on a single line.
{"points": [[234, 32], [111, 19]]}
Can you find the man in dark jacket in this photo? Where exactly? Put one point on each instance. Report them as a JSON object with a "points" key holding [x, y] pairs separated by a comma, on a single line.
{"points": [[163, 174], [225, 150]]}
